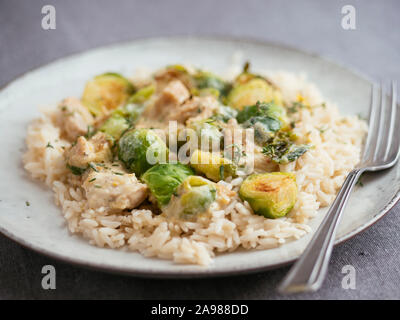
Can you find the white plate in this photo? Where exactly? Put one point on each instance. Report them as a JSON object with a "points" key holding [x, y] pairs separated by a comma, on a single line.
{"points": [[41, 226]]}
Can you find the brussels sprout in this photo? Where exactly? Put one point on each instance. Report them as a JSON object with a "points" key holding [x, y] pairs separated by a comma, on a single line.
{"points": [[114, 126], [164, 179], [271, 110], [265, 118], [193, 196], [177, 68], [272, 195], [207, 130], [206, 81], [212, 165], [135, 147], [142, 95], [251, 92], [135, 104], [106, 92], [225, 113]]}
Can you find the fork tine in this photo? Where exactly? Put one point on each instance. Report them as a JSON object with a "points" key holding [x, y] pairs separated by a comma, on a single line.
{"points": [[381, 127], [371, 121], [373, 130], [392, 118], [394, 153]]}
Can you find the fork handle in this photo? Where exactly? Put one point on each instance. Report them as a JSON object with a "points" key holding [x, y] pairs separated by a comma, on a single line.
{"points": [[309, 271]]}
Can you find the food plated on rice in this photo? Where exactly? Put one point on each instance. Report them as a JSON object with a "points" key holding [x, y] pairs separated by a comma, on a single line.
{"points": [[182, 164]]}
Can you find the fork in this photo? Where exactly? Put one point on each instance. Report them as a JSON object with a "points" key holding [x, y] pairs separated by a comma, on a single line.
{"points": [[381, 151]]}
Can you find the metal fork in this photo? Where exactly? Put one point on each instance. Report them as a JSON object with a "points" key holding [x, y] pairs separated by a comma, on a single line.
{"points": [[381, 151]]}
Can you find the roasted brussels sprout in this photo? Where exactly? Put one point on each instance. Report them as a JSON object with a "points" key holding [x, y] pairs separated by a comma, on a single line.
{"points": [[142, 95], [272, 195], [265, 118], [251, 92], [164, 179], [271, 110], [114, 126], [194, 196], [211, 83], [209, 133], [225, 113], [135, 105], [140, 149], [106, 92], [212, 165]]}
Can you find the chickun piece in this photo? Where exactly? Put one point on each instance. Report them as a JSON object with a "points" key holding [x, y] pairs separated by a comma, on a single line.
{"points": [[171, 97], [194, 109], [115, 190], [97, 149], [73, 118], [199, 108]]}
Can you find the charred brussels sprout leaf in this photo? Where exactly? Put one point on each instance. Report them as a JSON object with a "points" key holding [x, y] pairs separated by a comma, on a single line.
{"points": [[106, 92], [283, 150], [164, 179], [140, 149], [212, 165], [271, 195]]}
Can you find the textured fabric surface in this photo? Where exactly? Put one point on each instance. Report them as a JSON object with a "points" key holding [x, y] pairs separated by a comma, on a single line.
{"points": [[374, 48]]}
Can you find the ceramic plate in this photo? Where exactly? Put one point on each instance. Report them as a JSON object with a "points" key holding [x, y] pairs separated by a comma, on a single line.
{"points": [[41, 226]]}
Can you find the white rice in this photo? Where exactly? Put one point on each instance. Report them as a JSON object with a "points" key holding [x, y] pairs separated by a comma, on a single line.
{"points": [[320, 172]]}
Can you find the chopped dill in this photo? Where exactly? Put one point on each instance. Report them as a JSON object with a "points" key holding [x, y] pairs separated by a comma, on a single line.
{"points": [[92, 165], [221, 172], [323, 129]]}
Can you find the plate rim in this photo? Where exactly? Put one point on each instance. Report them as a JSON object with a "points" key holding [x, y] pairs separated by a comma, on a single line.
{"points": [[206, 273]]}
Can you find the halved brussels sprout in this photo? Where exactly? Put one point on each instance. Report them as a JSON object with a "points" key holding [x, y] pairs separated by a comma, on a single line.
{"points": [[270, 109], [114, 126], [106, 92], [265, 118], [212, 165], [164, 179], [251, 92], [225, 113], [212, 83], [136, 147], [208, 132], [193, 196], [272, 195], [135, 105], [142, 95]]}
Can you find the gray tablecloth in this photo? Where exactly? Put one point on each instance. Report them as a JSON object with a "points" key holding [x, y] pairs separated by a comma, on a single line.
{"points": [[374, 48]]}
